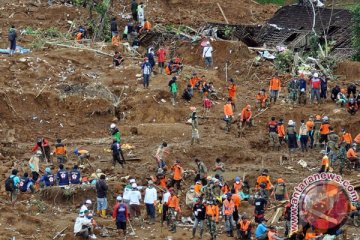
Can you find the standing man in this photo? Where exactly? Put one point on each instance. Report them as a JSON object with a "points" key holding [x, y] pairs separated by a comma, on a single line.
{"points": [[323, 86], [199, 211], [274, 87], [201, 173], [101, 192], [60, 151], [114, 27], [141, 14], [232, 91], [174, 208], [207, 54], [12, 39], [315, 84], [228, 211], [42, 144], [115, 133], [146, 70], [212, 215], [219, 168], [273, 133], [161, 53], [12, 185], [34, 166], [310, 128], [229, 114], [303, 132], [134, 8], [294, 89], [115, 148], [150, 201], [134, 202], [75, 176], [173, 89], [177, 172], [194, 126], [120, 215]]}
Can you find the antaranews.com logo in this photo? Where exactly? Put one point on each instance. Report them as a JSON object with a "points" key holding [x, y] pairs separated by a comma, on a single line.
{"points": [[322, 200]]}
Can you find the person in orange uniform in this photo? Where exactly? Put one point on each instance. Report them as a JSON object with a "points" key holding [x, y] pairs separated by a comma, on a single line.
{"points": [[225, 188], [237, 201], [346, 139], [310, 129], [177, 172], [173, 208], [246, 116], [212, 216], [352, 156], [146, 27], [281, 131], [228, 211], [193, 80], [324, 130], [115, 41], [324, 164], [237, 185], [264, 178], [244, 228], [229, 114], [262, 100], [60, 151], [197, 187], [232, 90], [274, 87]]}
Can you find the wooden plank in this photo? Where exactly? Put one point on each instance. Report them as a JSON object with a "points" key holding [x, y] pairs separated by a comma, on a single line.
{"points": [[222, 12]]}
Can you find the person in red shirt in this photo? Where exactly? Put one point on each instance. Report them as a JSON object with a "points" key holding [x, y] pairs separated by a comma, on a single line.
{"points": [[120, 215], [315, 84], [161, 53], [42, 144]]}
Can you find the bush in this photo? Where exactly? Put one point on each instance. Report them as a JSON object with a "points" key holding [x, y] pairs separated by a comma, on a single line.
{"points": [[356, 32], [278, 2], [284, 61]]}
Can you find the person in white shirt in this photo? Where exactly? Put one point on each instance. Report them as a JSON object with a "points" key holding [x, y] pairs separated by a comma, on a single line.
{"points": [[141, 13], [134, 201], [207, 54], [150, 201], [83, 226], [85, 206], [164, 201]]}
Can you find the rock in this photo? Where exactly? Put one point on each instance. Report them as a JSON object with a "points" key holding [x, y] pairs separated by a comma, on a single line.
{"points": [[22, 59], [41, 17], [163, 100], [138, 75]]}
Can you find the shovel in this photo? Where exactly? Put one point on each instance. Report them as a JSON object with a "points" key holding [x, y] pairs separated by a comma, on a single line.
{"points": [[132, 230]]}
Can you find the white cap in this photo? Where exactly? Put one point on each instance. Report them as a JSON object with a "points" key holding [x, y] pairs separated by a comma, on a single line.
{"points": [[316, 75], [38, 152], [88, 201], [118, 198], [302, 90], [291, 122], [112, 125], [132, 180], [325, 118], [134, 185]]}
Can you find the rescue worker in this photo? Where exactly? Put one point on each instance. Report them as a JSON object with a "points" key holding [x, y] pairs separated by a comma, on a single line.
{"points": [[120, 215], [83, 226], [117, 59], [281, 131], [173, 208], [42, 144], [228, 210], [48, 179], [310, 129], [280, 192], [291, 136], [237, 185], [201, 173], [62, 176], [341, 98], [287, 217], [146, 71], [188, 93], [262, 100], [82, 154], [352, 106], [85, 206], [199, 211], [150, 201], [260, 205], [194, 127], [115, 40], [207, 54], [346, 139], [275, 87], [101, 196], [164, 210], [191, 197], [315, 84], [265, 179], [237, 202], [173, 90], [193, 80], [246, 117], [75, 176], [273, 133], [244, 228], [115, 133], [303, 133], [229, 114], [333, 140], [147, 26], [357, 140], [232, 90], [26, 183], [246, 189], [293, 90], [353, 157], [302, 87], [334, 92], [342, 159], [60, 151], [323, 87], [219, 168], [212, 216], [324, 164], [161, 55], [317, 125], [161, 152], [324, 131], [177, 175]]}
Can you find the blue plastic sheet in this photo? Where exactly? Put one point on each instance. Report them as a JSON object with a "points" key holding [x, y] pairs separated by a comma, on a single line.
{"points": [[19, 49]]}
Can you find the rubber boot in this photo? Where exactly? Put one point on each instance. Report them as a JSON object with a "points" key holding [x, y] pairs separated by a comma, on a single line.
{"points": [[98, 212], [193, 233], [231, 233], [173, 229], [103, 213]]}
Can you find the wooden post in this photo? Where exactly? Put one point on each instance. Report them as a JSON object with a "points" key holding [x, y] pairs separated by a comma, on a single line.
{"points": [[226, 71], [222, 12]]}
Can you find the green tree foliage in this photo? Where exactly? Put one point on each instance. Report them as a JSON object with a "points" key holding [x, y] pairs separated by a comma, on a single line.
{"points": [[356, 32]]}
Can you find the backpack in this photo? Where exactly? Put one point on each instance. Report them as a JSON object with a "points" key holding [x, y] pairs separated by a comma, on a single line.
{"points": [[12, 36], [280, 189], [9, 184]]}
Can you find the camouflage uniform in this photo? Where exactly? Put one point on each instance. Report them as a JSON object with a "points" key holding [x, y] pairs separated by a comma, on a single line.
{"points": [[342, 158], [172, 219], [333, 139], [317, 124], [212, 227], [293, 88]]}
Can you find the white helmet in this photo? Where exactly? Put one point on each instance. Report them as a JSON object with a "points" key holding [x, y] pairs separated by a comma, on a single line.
{"points": [[38, 152], [316, 75], [325, 118], [88, 201], [112, 126], [118, 198]]}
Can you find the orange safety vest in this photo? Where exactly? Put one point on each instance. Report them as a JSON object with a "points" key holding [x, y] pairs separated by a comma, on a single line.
{"points": [[229, 207], [357, 138], [237, 187], [115, 41], [228, 110], [347, 138], [275, 84], [236, 199], [351, 153], [197, 188], [147, 25], [163, 182], [261, 98], [167, 70], [245, 114], [325, 162], [173, 202], [225, 189], [324, 128], [244, 225], [310, 235], [281, 130], [309, 125], [232, 91], [213, 211], [178, 171], [193, 81], [60, 150], [263, 179], [78, 37]]}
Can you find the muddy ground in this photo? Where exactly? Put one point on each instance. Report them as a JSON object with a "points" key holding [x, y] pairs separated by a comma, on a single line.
{"points": [[67, 93]]}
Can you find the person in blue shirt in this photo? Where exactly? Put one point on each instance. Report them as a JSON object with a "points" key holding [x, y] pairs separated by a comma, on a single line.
{"points": [[75, 175], [261, 231], [62, 176], [48, 179], [26, 183], [16, 182]]}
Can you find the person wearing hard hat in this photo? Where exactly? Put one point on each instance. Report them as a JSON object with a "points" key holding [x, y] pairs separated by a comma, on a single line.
{"points": [[116, 146], [315, 84], [85, 206], [120, 215], [291, 136], [274, 87], [83, 226]]}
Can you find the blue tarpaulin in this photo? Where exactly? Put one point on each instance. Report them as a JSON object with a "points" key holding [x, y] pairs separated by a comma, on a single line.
{"points": [[19, 49]]}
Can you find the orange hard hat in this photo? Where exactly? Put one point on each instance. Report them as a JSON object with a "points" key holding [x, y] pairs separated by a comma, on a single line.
{"points": [[318, 117], [280, 180]]}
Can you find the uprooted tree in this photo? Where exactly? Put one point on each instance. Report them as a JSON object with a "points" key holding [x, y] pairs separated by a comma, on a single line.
{"points": [[356, 32]]}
